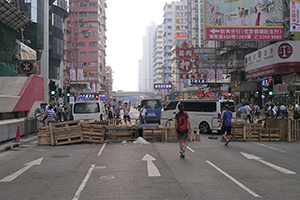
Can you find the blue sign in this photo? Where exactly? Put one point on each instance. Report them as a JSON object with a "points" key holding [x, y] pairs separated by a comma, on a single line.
{"points": [[127, 98]]}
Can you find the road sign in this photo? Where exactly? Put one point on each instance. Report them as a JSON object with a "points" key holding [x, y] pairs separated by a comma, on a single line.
{"points": [[27, 67]]}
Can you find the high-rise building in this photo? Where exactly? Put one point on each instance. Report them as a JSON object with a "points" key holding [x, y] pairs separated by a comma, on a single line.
{"points": [[85, 43], [147, 74], [195, 21], [141, 81], [109, 80], [175, 32], [158, 53]]}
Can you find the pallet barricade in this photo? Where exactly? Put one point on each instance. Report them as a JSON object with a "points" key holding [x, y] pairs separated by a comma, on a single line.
{"points": [[43, 136], [65, 132], [237, 130], [293, 131], [119, 133], [154, 134], [93, 133]]}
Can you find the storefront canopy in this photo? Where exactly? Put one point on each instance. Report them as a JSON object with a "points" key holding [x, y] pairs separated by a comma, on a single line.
{"points": [[11, 16]]}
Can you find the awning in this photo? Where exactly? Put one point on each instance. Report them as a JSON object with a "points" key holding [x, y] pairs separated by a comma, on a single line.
{"points": [[11, 16]]}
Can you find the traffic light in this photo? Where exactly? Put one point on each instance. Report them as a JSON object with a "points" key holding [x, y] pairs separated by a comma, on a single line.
{"points": [[68, 91], [270, 87], [52, 88]]}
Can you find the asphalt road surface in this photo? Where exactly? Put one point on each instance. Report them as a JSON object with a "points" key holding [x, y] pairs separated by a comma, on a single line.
{"points": [[243, 170]]}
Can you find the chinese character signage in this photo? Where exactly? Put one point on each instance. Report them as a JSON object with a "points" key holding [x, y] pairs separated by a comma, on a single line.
{"points": [[185, 55], [294, 16], [244, 20], [163, 86]]}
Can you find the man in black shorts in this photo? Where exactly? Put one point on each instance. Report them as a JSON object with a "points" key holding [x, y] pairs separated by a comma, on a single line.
{"points": [[226, 123], [126, 110]]}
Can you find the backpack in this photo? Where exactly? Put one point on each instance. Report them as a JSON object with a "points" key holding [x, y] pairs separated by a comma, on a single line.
{"points": [[182, 123]]}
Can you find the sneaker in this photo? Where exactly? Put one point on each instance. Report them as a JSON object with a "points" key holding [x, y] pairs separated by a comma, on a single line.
{"points": [[182, 154], [227, 142]]}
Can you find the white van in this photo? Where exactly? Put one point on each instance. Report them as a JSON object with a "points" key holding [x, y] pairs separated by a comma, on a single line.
{"points": [[203, 113], [88, 111]]}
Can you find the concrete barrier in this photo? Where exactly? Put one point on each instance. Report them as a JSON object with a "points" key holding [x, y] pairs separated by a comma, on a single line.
{"points": [[8, 128]]}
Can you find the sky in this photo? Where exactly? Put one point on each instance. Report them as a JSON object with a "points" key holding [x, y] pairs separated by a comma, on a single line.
{"points": [[126, 22]]}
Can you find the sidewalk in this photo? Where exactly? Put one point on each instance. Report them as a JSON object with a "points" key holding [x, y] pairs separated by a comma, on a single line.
{"points": [[5, 146]]}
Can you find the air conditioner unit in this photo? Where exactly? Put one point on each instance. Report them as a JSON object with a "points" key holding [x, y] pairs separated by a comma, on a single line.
{"points": [[81, 18]]}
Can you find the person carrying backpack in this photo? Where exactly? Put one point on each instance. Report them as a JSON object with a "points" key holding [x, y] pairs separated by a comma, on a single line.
{"points": [[183, 125]]}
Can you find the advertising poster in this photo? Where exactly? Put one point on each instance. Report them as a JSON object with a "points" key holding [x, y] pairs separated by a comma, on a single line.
{"points": [[244, 20], [72, 73], [294, 16], [80, 73]]}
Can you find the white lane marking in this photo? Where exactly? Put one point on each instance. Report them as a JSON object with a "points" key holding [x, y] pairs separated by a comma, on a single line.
{"points": [[107, 177], [281, 169], [152, 169], [100, 167], [85, 180], [21, 171], [102, 148], [190, 149], [234, 180], [275, 149]]}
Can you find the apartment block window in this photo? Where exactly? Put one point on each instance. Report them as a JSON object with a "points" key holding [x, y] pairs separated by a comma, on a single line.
{"points": [[93, 14], [93, 24], [91, 54], [82, 24], [94, 34], [92, 4], [92, 74], [93, 63], [92, 44], [83, 5], [82, 54], [82, 64], [68, 33], [82, 14], [82, 44], [69, 24], [68, 53], [68, 44]]}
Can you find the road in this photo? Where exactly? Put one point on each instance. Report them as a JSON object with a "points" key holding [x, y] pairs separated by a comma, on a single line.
{"points": [[243, 170]]}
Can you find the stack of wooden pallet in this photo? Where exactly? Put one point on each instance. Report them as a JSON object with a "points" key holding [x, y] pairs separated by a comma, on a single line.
{"points": [[237, 130], [119, 133], [154, 134], [93, 133], [252, 131], [43, 136], [65, 132], [293, 131]]}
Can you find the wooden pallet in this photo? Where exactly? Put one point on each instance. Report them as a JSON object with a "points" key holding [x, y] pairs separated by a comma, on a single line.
{"points": [[65, 132], [68, 139], [251, 132], [237, 130], [43, 136], [93, 128], [95, 137], [119, 133], [293, 131], [171, 135], [154, 134]]}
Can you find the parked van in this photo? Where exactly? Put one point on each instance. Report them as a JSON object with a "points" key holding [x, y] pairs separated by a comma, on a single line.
{"points": [[203, 113], [153, 107], [88, 110]]}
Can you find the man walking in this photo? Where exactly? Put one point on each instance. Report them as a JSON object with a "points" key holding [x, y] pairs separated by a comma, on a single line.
{"points": [[51, 115], [226, 123], [126, 111]]}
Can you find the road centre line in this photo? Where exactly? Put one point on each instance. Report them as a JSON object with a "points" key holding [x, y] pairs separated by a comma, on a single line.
{"points": [[5, 153], [102, 148], [85, 180], [190, 149], [234, 180], [275, 149]]}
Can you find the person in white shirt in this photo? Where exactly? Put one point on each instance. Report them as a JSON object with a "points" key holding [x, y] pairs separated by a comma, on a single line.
{"points": [[143, 112], [248, 112]]}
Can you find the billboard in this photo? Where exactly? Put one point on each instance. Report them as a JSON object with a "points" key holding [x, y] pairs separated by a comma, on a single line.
{"points": [[281, 57], [294, 16], [243, 20]]}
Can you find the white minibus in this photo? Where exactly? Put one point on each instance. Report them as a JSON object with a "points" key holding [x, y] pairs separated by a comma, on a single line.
{"points": [[203, 113], [88, 111]]}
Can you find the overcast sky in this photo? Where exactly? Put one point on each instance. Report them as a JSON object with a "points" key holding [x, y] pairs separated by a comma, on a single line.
{"points": [[126, 25]]}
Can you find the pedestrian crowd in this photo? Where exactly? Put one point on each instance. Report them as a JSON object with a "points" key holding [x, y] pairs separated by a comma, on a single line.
{"points": [[250, 112], [55, 112], [114, 112]]}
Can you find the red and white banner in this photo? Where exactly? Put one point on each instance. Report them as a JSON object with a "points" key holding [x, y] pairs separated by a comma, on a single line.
{"points": [[294, 15], [276, 58]]}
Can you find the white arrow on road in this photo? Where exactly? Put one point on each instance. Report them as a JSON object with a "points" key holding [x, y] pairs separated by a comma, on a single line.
{"points": [[152, 169], [214, 31], [253, 157], [21, 171]]}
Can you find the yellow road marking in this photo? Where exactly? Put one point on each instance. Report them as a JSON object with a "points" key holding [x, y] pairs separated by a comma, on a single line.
{"points": [[4, 153]]}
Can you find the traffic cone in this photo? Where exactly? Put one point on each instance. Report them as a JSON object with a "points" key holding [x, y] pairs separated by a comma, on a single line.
{"points": [[18, 136], [197, 135]]}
